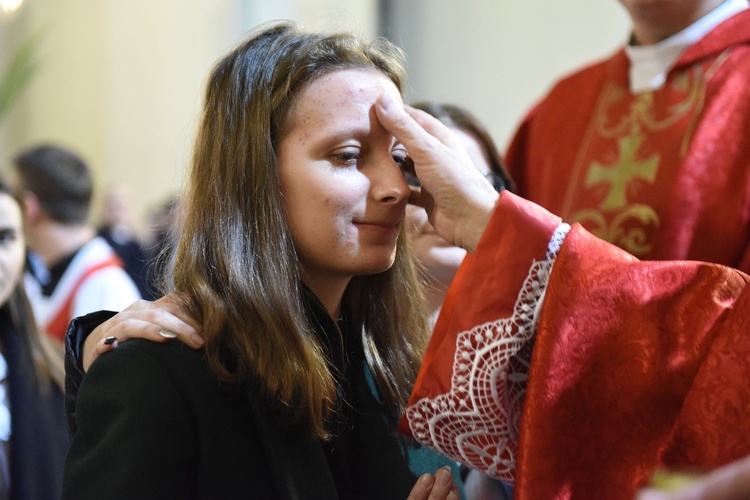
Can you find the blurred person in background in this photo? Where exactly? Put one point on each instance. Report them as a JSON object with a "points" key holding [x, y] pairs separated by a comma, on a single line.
{"points": [[76, 272], [33, 436], [118, 228], [164, 228]]}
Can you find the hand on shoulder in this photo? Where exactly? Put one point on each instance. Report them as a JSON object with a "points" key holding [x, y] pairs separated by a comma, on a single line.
{"points": [[158, 321]]}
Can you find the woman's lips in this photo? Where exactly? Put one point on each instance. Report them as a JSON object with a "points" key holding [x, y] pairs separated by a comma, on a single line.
{"points": [[380, 225]]}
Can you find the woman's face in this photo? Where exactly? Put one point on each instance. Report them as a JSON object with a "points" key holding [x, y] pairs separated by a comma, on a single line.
{"points": [[439, 258], [341, 179], [11, 246]]}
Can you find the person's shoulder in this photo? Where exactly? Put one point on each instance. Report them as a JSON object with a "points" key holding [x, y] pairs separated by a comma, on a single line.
{"points": [[141, 377], [95, 260], [166, 353], [580, 85], [109, 287], [146, 362], [593, 70], [97, 248], [113, 280]]}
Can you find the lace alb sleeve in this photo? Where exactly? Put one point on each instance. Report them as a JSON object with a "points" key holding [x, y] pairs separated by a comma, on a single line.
{"points": [[477, 421]]}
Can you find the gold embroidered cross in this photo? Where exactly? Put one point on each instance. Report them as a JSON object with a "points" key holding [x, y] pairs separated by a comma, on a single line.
{"points": [[622, 172]]}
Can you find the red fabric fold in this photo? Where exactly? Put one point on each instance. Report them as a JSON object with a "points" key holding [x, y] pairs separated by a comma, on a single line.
{"points": [[635, 366], [485, 286]]}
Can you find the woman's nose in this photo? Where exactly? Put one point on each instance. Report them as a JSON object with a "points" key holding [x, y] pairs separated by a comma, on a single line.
{"points": [[387, 180]]}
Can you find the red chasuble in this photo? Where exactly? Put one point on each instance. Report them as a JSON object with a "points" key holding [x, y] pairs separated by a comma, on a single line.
{"points": [[664, 174], [576, 370]]}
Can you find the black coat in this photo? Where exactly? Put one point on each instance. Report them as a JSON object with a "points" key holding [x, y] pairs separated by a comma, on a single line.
{"points": [[39, 440], [153, 422]]}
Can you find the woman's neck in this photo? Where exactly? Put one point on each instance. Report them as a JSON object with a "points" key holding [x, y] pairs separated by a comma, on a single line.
{"points": [[55, 241], [651, 25], [329, 292]]}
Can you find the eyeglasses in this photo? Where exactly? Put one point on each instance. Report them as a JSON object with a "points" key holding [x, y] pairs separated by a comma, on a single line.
{"points": [[497, 181], [494, 178]]}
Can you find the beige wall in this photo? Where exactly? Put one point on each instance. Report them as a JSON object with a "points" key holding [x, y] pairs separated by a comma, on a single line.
{"points": [[121, 80], [497, 57]]}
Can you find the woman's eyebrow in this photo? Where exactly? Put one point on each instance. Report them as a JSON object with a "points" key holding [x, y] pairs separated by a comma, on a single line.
{"points": [[347, 132]]}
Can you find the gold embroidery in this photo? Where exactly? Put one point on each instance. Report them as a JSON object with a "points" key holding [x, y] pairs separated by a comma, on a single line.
{"points": [[614, 218], [631, 238], [621, 174]]}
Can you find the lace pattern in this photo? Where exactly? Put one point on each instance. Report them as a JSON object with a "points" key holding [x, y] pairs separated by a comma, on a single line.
{"points": [[477, 421]]}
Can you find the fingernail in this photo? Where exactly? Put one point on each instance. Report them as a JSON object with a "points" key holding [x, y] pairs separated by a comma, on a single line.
{"points": [[444, 476], [167, 334], [425, 480], [197, 339], [110, 340]]}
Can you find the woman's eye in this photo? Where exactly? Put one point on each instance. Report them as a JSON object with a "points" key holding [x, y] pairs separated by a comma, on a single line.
{"points": [[400, 158], [347, 157], [7, 236]]}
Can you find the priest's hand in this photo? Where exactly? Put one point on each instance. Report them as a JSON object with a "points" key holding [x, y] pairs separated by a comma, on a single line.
{"points": [[457, 197]]}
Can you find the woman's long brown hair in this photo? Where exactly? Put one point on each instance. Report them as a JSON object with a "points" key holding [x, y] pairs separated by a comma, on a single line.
{"points": [[235, 263]]}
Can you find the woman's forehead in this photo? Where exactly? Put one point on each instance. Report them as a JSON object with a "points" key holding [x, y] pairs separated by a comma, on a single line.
{"points": [[344, 89], [340, 99], [10, 211]]}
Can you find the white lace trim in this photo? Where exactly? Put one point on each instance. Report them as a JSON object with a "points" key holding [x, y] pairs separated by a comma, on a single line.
{"points": [[477, 421]]}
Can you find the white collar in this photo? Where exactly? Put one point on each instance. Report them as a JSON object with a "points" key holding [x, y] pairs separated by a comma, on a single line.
{"points": [[649, 64]]}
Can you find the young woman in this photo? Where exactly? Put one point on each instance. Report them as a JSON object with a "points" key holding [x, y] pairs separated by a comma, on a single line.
{"points": [[33, 438], [292, 260]]}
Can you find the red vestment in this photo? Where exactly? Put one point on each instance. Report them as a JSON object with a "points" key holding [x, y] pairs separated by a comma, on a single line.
{"points": [[663, 174], [627, 366]]}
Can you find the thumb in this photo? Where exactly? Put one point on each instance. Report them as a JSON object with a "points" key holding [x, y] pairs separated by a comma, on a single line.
{"points": [[416, 139], [395, 120]]}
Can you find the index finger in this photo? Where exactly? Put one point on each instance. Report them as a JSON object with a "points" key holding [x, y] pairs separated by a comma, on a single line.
{"points": [[394, 118]]}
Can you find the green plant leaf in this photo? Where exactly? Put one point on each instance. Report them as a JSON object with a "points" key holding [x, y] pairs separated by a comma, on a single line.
{"points": [[18, 74]]}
